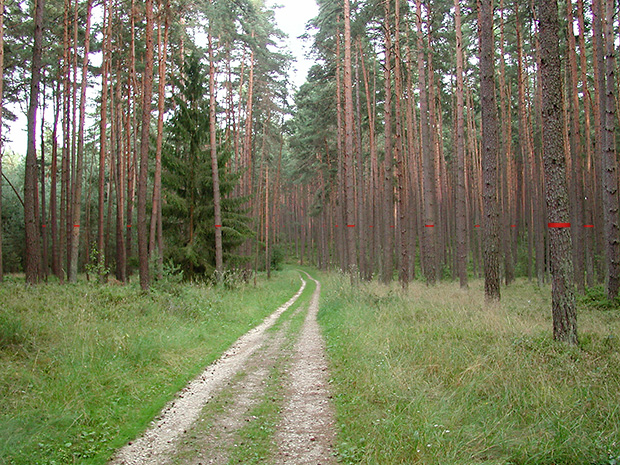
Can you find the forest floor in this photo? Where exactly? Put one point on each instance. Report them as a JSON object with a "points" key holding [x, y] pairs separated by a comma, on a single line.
{"points": [[266, 400]]}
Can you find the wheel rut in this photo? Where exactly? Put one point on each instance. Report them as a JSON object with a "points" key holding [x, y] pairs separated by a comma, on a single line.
{"points": [[275, 378]]}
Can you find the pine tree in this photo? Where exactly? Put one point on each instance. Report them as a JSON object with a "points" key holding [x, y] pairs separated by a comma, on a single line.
{"points": [[563, 298], [33, 236], [490, 150]]}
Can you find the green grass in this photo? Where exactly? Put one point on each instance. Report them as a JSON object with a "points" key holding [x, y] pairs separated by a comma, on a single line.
{"points": [[435, 376], [84, 368]]}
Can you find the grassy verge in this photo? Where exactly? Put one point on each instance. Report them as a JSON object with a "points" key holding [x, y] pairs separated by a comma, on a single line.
{"points": [[433, 376], [84, 368]]}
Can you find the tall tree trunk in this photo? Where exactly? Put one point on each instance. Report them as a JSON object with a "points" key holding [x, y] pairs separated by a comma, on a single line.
{"points": [[56, 267], [133, 96], [44, 251], [147, 93], [361, 194], [576, 174], [401, 163], [121, 257], [563, 298], [215, 176], [77, 192], [428, 163], [388, 157], [156, 216], [507, 215], [490, 149], [1, 109], [267, 251], [374, 164], [348, 147], [609, 176], [461, 198], [588, 187], [341, 245], [33, 236]]}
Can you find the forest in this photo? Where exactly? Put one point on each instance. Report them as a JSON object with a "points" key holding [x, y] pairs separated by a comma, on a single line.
{"points": [[167, 133], [434, 145]]}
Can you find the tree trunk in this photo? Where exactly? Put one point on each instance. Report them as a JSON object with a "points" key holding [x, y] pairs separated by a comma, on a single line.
{"points": [[33, 236], [56, 267], [563, 298], [588, 187], [361, 194], [156, 216], [121, 257], [461, 198], [147, 93], [77, 192], [428, 164], [44, 251], [609, 176], [576, 174], [1, 109], [388, 157], [215, 176], [490, 149], [348, 147], [401, 163], [374, 165], [507, 215]]}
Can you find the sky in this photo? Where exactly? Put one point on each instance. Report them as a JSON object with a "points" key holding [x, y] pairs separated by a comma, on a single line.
{"points": [[291, 18]]}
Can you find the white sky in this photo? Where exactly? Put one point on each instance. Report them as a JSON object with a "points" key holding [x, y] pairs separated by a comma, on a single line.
{"points": [[291, 18]]}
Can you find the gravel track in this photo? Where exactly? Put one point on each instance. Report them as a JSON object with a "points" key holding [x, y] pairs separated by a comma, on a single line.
{"points": [[187, 433]]}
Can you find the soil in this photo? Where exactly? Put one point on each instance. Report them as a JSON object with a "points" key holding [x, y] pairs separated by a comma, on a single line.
{"points": [[272, 363]]}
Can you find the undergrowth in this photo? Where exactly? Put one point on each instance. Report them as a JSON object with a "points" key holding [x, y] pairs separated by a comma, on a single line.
{"points": [[85, 367], [434, 376]]}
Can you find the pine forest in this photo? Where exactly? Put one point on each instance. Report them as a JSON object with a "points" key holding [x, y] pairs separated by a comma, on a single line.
{"points": [[432, 142]]}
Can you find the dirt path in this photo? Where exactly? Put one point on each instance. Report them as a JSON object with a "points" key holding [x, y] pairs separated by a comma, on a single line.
{"points": [[272, 380], [307, 432]]}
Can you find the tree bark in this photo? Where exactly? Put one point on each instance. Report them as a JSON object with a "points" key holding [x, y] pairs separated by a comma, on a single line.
{"points": [[33, 236], [576, 174], [147, 93], [461, 198], [56, 267], [348, 147], [401, 162], [120, 178], [215, 176], [388, 157], [428, 164], [563, 298], [609, 176], [1, 109], [77, 192], [490, 149], [156, 216]]}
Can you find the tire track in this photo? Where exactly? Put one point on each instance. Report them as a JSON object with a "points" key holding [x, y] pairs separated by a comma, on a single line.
{"points": [[306, 434], [156, 445]]}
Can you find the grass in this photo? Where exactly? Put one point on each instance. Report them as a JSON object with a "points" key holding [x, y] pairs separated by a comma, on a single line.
{"points": [[434, 376], [84, 368]]}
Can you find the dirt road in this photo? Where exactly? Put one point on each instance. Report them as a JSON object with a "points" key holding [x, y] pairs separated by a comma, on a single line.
{"points": [[266, 400]]}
